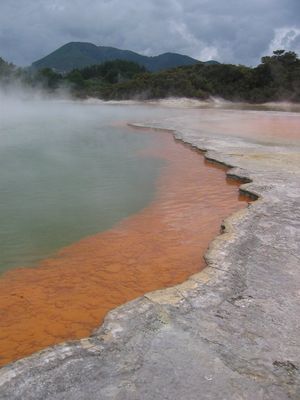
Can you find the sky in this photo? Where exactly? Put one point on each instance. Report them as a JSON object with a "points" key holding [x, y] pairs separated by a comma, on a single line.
{"points": [[232, 31]]}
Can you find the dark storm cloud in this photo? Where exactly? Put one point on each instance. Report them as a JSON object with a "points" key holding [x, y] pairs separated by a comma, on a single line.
{"points": [[230, 31]]}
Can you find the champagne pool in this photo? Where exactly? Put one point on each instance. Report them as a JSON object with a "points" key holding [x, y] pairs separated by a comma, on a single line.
{"points": [[97, 214]]}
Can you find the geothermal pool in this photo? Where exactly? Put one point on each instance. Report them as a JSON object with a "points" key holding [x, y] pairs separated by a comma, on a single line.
{"points": [[94, 214], [66, 173]]}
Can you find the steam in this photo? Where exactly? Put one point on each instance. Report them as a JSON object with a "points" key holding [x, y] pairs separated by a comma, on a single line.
{"points": [[17, 90]]}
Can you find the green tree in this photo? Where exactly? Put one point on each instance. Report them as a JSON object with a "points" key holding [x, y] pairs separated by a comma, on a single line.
{"points": [[75, 77], [48, 78]]}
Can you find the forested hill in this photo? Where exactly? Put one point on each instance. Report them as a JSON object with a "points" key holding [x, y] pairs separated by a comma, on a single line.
{"points": [[277, 78], [77, 55]]}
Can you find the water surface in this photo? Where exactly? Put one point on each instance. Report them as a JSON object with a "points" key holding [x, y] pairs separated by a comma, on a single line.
{"points": [[66, 173]]}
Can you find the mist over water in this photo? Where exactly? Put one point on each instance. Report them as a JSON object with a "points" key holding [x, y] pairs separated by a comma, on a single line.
{"points": [[67, 172], [69, 169]]}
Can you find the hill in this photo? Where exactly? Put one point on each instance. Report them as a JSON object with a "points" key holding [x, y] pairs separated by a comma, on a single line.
{"points": [[77, 55]]}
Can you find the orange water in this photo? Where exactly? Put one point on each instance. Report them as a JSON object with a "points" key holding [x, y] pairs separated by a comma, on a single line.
{"points": [[67, 296]]}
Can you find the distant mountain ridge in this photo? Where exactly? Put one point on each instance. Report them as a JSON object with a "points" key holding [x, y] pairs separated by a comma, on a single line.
{"points": [[81, 54]]}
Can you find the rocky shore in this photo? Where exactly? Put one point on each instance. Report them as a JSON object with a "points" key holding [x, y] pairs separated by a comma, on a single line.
{"points": [[229, 332]]}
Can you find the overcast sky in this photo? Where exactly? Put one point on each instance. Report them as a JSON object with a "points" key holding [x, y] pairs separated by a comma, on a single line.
{"points": [[235, 31]]}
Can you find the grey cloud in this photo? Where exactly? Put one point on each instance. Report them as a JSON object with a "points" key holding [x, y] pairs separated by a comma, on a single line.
{"points": [[231, 30]]}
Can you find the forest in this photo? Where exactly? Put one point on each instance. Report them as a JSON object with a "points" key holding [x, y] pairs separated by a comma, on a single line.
{"points": [[276, 78]]}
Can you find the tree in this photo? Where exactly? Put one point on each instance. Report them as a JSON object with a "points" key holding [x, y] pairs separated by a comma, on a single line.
{"points": [[7, 70], [48, 78], [76, 78]]}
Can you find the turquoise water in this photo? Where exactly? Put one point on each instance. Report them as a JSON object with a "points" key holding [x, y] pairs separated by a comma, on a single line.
{"points": [[66, 173]]}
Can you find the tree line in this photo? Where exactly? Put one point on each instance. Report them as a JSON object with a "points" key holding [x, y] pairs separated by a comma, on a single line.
{"points": [[276, 78]]}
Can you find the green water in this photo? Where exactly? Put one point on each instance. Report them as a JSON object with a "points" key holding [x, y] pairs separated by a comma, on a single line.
{"points": [[66, 173]]}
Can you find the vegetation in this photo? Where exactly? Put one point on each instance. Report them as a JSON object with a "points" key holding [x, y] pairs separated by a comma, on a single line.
{"points": [[276, 78], [97, 80], [8, 72]]}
